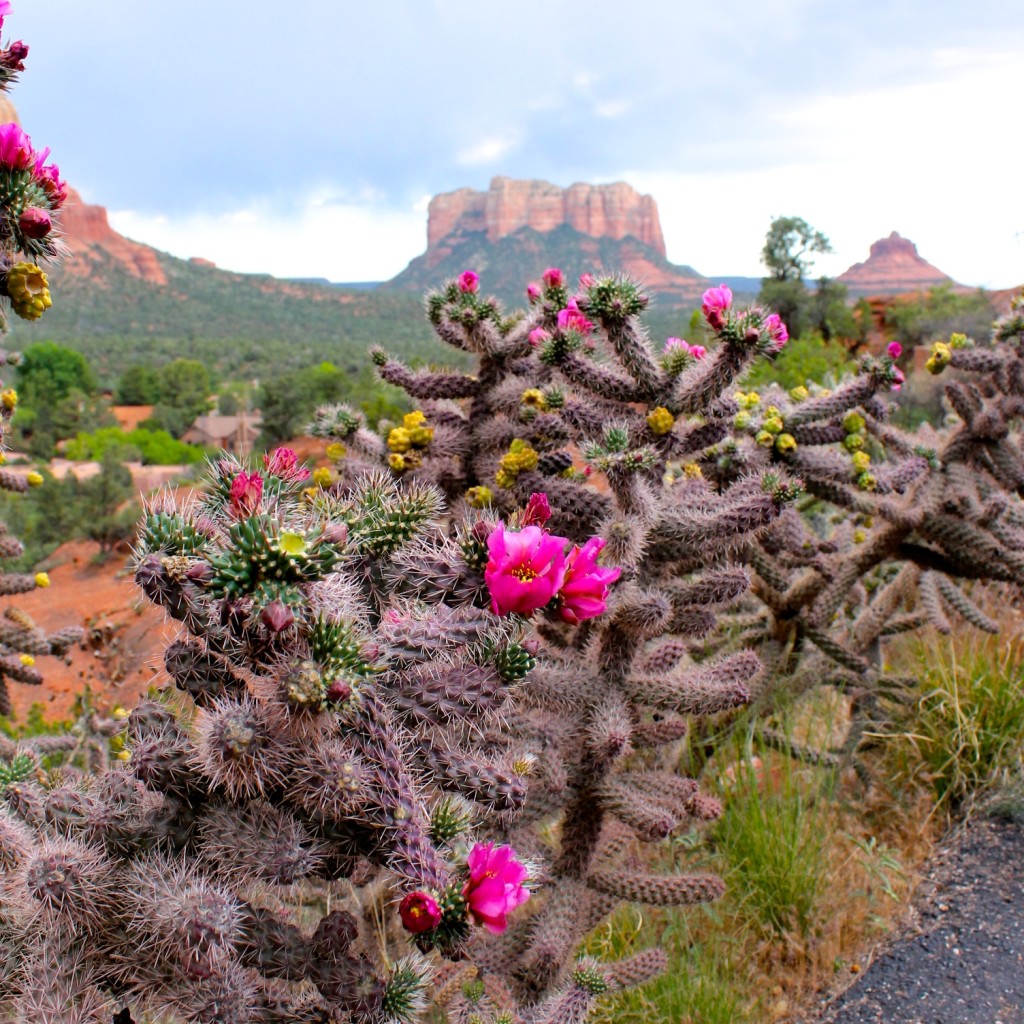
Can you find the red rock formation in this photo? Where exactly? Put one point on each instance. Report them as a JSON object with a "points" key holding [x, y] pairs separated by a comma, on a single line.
{"points": [[87, 230], [893, 267], [601, 211]]}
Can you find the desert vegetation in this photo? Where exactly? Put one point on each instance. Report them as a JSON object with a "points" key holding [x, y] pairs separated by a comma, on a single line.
{"points": [[567, 686]]}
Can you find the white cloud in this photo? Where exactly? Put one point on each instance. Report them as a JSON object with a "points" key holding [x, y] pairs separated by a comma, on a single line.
{"points": [[486, 151], [341, 241], [612, 108], [930, 160]]}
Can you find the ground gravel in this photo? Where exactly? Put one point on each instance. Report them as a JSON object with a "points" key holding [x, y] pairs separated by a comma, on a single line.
{"points": [[960, 960]]}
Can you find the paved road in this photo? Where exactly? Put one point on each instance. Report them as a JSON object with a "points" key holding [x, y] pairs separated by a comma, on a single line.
{"points": [[961, 961]]}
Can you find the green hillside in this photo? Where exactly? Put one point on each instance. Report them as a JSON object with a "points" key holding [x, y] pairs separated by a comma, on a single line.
{"points": [[242, 326], [505, 266]]}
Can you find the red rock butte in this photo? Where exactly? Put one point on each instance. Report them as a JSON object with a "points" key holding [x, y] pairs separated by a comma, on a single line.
{"points": [[893, 267], [600, 211]]}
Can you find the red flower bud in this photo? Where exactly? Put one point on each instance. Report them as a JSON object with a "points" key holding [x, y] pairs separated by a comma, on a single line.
{"points": [[419, 912], [339, 691], [35, 223], [277, 616]]}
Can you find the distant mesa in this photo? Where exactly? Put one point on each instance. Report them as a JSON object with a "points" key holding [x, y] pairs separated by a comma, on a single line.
{"points": [[515, 229], [893, 268], [600, 211], [88, 233], [198, 261]]}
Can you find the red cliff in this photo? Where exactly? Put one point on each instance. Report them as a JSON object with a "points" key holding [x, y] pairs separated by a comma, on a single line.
{"points": [[87, 232], [600, 211], [893, 267]]}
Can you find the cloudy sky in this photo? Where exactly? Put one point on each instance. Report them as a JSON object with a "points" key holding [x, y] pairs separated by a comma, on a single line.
{"points": [[306, 138]]}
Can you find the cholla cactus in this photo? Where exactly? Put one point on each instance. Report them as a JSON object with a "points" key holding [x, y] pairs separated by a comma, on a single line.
{"points": [[31, 194], [893, 523], [30, 191]]}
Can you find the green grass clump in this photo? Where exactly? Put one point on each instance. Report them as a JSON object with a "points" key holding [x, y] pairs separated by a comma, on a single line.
{"points": [[965, 731]]}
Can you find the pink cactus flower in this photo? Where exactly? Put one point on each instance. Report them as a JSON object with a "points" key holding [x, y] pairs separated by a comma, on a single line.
{"points": [[5, 9], [538, 336], [246, 493], [714, 303], [698, 351], [16, 150], [13, 58], [898, 379], [49, 180], [671, 344], [553, 277], [419, 913], [586, 280], [895, 349], [776, 329], [495, 886], [571, 319], [533, 292], [35, 222], [524, 570], [469, 282], [538, 510], [284, 463], [584, 593]]}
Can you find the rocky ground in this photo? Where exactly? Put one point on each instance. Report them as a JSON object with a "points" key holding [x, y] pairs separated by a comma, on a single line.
{"points": [[960, 959]]}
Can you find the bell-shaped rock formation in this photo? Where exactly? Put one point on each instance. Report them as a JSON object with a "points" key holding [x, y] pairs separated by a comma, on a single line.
{"points": [[892, 268]]}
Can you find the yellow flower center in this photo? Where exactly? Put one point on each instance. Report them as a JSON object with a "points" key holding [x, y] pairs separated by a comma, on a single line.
{"points": [[524, 574]]}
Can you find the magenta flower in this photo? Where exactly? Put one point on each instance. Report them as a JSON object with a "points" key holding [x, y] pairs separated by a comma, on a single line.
{"points": [[35, 222], [284, 463], [49, 180], [586, 280], [553, 277], [698, 351], [16, 150], [495, 886], [524, 570], [571, 319], [537, 511], [13, 58], [898, 379], [895, 349], [715, 302], [776, 329], [246, 493], [675, 343], [584, 593], [538, 336], [533, 292], [419, 913], [5, 9], [469, 282]]}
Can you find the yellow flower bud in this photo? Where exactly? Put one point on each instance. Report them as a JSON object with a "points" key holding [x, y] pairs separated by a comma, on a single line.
{"points": [[692, 471], [400, 439], [773, 424], [29, 290], [42, 580], [396, 462], [27, 660], [123, 755], [751, 400], [741, 420], [9, 398], [799, 393], [421, 436], [534, 398], [861, 461], [764, 439], [321, 477], [335, 451], [785, 443], [34, 479], [660, 420], [859, 536], [412, 420], [120, 712], [479, 497]]}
